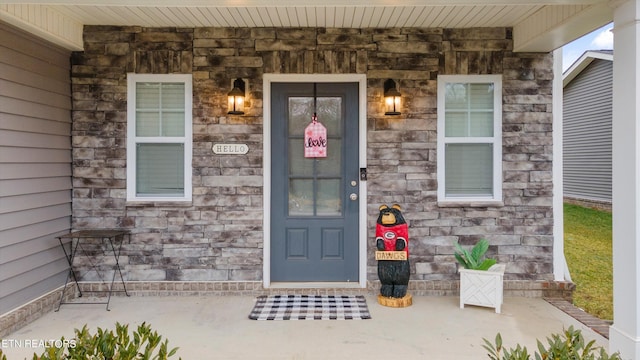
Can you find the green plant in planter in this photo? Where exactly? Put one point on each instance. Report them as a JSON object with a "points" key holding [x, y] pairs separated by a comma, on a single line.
{"points": [[475, 259]]}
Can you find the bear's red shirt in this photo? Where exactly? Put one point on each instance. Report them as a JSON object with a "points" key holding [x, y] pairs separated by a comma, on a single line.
{"points": [[390, 234]]}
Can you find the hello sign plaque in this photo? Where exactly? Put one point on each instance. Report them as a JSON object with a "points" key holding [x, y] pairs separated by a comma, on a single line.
{"points": [[230, 149]]}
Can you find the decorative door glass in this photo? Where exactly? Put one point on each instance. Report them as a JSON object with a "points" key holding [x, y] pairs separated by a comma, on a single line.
{"points": [[315, 183]]}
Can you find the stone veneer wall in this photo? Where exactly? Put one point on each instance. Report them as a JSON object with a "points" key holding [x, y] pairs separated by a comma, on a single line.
{"points": [[218, 237]]}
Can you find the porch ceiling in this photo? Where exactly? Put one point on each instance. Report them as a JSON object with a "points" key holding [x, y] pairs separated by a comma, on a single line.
{"points": [[538, 25]]}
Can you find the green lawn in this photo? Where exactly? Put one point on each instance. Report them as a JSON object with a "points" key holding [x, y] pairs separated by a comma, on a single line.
{"points": [[587, 247]]}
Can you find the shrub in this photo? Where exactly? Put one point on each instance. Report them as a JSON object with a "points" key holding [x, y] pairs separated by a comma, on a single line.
{"points": [[569, 345], [141, 344]]}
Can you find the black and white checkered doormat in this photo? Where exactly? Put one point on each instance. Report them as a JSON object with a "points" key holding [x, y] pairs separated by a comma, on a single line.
{"points": [[310, 307]]}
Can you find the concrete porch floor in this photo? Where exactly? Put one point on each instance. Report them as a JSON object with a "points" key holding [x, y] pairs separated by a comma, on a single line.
{"points": [[217, 327]]}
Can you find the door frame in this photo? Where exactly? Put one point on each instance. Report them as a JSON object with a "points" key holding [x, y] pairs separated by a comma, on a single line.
{"points": [[268, 79]]}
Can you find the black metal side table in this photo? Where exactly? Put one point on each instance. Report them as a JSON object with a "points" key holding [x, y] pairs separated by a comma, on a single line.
{"points": [[114, 240]]}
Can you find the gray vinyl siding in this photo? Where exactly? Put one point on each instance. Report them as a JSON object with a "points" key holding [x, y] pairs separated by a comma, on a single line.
{"points": [[35, 165], [587, 133]]}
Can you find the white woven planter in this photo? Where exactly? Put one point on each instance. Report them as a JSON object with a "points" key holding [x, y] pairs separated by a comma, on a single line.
{"points": [[482, 288]]}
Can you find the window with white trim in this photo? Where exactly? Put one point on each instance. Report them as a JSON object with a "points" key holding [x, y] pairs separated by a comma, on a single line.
{"points": [[159, 137], [469, 138]]}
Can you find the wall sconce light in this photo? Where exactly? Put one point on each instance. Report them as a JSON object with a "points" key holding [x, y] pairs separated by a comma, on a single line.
{"points": [[236, 97], [392, 100]]}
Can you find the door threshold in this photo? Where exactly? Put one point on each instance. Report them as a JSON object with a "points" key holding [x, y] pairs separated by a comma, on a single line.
{"points": [[315, 285]]}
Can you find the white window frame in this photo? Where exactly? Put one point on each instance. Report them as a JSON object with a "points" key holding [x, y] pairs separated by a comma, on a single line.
{"points": [[132, 139], [496, 140]]}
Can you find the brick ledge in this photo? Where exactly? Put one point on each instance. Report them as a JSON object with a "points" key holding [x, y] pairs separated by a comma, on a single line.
{"points": [[512, 288], [598, 325], [33, 310]]}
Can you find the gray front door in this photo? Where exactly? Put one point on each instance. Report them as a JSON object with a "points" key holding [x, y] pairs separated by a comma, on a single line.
{"points": [[314, 220]]}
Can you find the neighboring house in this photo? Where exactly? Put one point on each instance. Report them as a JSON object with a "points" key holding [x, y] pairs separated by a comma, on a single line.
{"points": [[587, 124], [470, 156]]}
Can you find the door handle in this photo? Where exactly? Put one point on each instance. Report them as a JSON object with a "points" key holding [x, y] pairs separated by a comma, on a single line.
{"points": [[353, 196]]}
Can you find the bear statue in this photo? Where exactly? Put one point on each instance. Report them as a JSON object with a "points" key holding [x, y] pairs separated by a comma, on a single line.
{"points": [[392, 234]]}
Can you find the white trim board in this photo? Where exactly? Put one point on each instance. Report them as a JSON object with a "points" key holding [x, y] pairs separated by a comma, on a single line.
{"points": [[268, 79]]}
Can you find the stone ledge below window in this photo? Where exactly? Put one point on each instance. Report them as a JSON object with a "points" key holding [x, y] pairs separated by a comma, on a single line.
{"points": [[473, 204], [158, 203]]}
